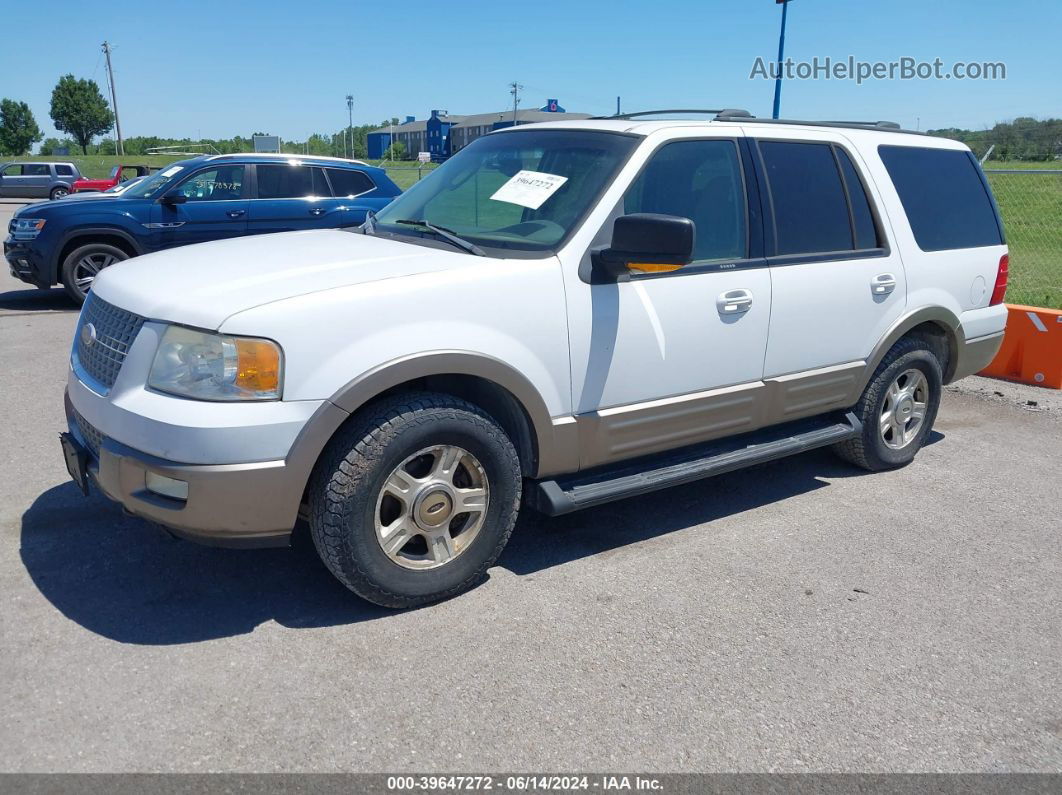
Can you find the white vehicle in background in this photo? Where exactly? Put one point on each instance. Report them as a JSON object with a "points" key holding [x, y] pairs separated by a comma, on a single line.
{"points": [[562, 314]]}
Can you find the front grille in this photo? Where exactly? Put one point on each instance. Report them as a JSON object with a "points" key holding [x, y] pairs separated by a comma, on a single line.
{"points": [[101, 354], [93, 438]]}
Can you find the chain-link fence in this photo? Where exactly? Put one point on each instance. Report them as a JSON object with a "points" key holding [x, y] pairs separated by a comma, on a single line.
{"points": [[1030, 201]]}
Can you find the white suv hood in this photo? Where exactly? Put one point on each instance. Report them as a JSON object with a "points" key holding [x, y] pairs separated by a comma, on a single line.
{"points": [[202, 285]]}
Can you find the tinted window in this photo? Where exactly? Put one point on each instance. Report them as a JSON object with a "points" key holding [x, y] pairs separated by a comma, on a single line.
{"points": [[346, 182], [699, 180], [290, 182], [35, 170], [215, 184], [64, 171], [810, 210], [944, 197], [862, 217]]}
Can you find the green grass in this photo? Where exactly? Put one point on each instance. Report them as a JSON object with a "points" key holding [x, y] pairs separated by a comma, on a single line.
{"points": [[1031, 206]]}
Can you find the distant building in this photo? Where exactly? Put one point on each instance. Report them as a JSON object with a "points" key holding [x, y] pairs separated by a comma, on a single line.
{"points": [[442, 134]]}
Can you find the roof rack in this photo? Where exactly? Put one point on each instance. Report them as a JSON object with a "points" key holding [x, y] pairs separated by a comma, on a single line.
{"points": [[744, 115], [710, 112]]}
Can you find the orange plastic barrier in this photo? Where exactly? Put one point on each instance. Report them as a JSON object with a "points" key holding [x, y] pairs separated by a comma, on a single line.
{"points": [[1032, 347]]}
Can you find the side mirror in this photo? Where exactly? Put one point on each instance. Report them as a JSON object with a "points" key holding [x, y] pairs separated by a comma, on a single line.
{"points": [[174, 197], [644, 243]]}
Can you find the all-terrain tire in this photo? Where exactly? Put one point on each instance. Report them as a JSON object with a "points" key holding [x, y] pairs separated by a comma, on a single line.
{"points": [[869, 450], [347, 481]]}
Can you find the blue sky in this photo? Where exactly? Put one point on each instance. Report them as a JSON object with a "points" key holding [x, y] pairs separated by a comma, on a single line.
{"points": [[215, 69]]}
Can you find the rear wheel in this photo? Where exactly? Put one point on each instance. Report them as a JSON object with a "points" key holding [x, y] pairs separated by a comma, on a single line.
{"points": [[59, 192], [414, 500], [84, 263], [897, 408]]}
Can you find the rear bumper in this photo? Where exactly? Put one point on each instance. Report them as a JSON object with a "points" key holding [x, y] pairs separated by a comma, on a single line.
{"points": [[976, 354]]}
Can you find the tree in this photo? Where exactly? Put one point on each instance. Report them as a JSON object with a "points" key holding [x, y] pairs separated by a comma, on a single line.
{"points": [[79, 108], [397, 149], [18, 128]]}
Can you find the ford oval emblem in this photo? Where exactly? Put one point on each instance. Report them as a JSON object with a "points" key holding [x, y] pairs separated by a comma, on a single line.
{"points": [[88, 335]]}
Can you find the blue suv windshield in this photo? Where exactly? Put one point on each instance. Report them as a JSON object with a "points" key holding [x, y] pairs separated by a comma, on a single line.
{"points": [[152, 184]]}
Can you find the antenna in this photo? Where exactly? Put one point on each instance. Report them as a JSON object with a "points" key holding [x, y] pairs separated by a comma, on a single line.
{"points": [[515, 89], [119, 146]]}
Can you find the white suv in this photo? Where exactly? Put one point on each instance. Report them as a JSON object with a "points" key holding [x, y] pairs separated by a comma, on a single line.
{"points": [[564, 313]]}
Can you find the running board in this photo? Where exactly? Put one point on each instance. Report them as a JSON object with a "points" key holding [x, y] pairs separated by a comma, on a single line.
{"points": [[587, 489]]}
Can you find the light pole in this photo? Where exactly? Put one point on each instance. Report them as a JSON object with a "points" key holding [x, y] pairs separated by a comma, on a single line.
{"points": [[350, 125], [781, 48]]}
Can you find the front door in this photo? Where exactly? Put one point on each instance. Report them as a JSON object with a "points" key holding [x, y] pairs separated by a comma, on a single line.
{"points": [[215, 208], [12, 183], [676, 358], [838, 285]]}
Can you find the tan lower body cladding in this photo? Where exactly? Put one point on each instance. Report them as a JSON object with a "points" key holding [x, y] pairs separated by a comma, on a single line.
{"points": [[621, 432]]}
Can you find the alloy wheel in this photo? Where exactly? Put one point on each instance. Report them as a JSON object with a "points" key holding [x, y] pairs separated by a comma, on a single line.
{"points": [[431, 507], [904, 409], [88, 267]]}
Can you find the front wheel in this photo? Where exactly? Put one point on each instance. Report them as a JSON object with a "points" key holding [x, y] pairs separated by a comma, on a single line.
{"points": [[897, 408], [84, 263], [415, 499]]}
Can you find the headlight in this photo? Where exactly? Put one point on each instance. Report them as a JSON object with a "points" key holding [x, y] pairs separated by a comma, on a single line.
{"points": [[27, 228], [205, 366]]}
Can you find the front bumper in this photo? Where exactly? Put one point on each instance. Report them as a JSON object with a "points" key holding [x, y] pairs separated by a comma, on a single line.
{"points": [[251, 504], [26, 263]]}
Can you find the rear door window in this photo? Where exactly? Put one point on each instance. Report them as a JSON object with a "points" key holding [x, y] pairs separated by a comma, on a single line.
{"points": [[946, 200], [290, 182], [808, 198], [866, 232], [348, 182], [35, 170]]}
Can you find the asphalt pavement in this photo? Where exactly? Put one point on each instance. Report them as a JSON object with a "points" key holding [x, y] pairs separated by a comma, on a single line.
{"points": [[800, 616]]}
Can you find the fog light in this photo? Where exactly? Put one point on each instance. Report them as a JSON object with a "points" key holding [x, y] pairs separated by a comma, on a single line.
{"points": [[167, 487]]}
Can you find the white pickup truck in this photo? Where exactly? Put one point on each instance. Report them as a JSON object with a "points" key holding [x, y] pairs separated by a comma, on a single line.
{"points": [[561, 315]]}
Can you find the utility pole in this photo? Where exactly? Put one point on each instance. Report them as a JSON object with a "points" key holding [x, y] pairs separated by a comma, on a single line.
{"points": [[781, 48], [350, 125], [515, 89], [114, 99]]}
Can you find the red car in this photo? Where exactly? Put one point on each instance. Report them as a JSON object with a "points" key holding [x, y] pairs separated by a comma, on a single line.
{"points": [[118, 174]]}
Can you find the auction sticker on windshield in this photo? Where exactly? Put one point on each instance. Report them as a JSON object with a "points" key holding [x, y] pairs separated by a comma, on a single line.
{"points": [[529, 189]]}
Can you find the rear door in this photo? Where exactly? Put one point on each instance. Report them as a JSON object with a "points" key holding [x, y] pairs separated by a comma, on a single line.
{"points": [[838, 284], [290, 197], [37, 179], [215, 207]]}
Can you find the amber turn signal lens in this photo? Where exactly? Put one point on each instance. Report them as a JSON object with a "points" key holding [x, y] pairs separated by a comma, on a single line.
{"points": [[652, 267], [258, 366]]}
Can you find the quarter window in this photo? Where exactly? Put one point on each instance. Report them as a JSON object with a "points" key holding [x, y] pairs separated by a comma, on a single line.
{"points": [[64, 171], [946, 201], [347, 182], [810, 208], [290, 182], [223, 183], [699, 180]]}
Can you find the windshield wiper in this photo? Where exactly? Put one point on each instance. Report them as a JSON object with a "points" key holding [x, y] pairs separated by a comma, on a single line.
{"points": [[446, 234]]}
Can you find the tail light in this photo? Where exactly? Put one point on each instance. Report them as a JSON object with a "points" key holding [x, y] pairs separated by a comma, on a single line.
{"points": [[1000, 290]]}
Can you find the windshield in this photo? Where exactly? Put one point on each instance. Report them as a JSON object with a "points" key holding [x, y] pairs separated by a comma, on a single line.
{"points": [[151, 184], [524, 190]]}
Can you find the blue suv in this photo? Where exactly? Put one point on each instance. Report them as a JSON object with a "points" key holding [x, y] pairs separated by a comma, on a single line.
{"points": [[192, 201]]}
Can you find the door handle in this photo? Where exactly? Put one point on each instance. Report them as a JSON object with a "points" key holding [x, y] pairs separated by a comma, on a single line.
{"points": [[317, 211], [883, 284], [235, 213], [734, 302]]}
